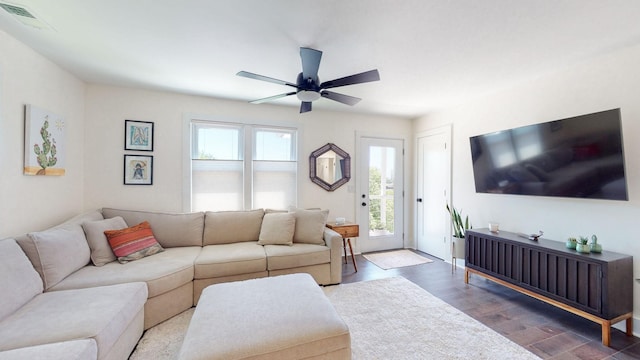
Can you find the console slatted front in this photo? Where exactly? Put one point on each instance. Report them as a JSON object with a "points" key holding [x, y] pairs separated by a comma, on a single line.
{"points": [[595, 286]]}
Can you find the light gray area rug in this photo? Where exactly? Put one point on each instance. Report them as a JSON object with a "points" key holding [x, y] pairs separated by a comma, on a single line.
{"points": [[388, 319], [396, 258]]}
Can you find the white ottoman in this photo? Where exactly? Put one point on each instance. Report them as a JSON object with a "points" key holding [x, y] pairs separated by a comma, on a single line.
{"points": [[281, 317]]}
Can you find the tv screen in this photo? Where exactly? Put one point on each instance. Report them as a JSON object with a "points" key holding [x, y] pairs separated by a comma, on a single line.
{"points": [[579, 157]]}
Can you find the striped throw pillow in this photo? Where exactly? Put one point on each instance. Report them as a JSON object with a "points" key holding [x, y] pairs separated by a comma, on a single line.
{"points": [[133, 243]]}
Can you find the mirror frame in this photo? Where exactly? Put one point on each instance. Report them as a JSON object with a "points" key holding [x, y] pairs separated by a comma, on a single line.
{"points": [[346, 175]]}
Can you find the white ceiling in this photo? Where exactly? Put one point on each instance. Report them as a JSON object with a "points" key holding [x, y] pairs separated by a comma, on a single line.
{"points": [[430, 53]]}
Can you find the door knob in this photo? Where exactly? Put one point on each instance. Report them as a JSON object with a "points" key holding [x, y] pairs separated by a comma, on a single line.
{"points": [[364, 204], [419, 199]]}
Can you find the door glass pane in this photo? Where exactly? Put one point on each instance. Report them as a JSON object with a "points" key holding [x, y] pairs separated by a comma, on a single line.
{"points": [[381, 190]]}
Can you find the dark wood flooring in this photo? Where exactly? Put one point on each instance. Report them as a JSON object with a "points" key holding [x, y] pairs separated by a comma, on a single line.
{"points": [[546, 331]]}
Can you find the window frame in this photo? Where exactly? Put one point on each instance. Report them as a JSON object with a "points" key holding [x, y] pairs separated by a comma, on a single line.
{"points": [[248, 139]]}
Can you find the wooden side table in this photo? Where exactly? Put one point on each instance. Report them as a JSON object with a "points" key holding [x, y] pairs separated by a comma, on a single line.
{"points": [[347, 231]]}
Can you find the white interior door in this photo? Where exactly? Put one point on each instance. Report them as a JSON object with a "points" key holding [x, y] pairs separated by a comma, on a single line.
{"points": [[380, 197], [433, 185]]}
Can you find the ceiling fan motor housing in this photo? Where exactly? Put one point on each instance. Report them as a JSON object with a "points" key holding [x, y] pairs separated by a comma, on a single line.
{"points": [[308, 89]]}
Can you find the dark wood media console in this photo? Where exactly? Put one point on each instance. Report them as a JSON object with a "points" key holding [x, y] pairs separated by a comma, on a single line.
{"points": [[598, 287]]}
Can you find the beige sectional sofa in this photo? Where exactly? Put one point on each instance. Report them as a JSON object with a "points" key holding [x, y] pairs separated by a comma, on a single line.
{"points": [[69, 286]]}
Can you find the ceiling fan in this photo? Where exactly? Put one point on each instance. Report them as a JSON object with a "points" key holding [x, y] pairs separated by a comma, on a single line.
{"points": [[308, 86]]}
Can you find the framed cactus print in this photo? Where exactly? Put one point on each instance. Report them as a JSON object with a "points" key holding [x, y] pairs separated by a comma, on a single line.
{"points": [[44, 143], [138, 135], [138, 170]]}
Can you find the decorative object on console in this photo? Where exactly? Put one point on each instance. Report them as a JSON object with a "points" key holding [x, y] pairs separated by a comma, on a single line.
{"points": [[533, 237], [571, 243], [329, 167], [138, 170], [595, 247], [138, 135], [582, 246], [494, 227], [44, 143]]}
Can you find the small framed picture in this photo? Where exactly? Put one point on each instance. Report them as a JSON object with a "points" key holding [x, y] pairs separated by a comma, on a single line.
{"points": [[138, 135], [138, 170]]}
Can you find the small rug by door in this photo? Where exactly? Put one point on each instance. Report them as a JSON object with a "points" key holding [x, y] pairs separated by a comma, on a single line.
{"points": [[395, 259]]}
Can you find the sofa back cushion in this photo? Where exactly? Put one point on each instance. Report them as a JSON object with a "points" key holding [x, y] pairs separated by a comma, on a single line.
{"points": [[170, 229], [61, 251], [101, 252], [226, 227], [18, 279], [310, 226], [277, 229]]}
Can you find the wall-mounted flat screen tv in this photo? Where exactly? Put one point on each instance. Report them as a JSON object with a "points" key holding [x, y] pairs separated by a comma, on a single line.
{"points": [[577, 157]]}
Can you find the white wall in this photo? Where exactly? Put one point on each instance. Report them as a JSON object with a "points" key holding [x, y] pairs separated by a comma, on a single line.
{"points": [[30, 203], [107, 107], [608, 82]]}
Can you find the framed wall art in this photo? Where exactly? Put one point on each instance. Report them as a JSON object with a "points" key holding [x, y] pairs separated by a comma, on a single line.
{"points": [[44, 142], [138, 170], [138, 135]]}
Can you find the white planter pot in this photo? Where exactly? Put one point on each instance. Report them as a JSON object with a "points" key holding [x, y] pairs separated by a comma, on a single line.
{"points": [[457, 247]]}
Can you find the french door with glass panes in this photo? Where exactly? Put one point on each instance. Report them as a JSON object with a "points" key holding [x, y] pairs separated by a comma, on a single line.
{"points": [[380, 196]]}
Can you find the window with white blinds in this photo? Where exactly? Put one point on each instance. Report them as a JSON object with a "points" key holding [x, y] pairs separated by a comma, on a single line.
{"points": [[240, 166]]}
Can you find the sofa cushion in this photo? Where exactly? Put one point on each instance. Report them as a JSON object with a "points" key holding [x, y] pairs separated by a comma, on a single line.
{"points": [[226, 227], [230, 259], [101, 252], [162, 272], [170, 229], [133, 243], [84, 349], [61, 252], [18, 276], [287, 257], [277, 229], [310, 226], [34, 253], [100, 313]]}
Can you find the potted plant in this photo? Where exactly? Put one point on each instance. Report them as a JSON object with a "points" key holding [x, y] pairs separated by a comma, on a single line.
{"points": [[459, 230], [571, 243], [582, 245]]}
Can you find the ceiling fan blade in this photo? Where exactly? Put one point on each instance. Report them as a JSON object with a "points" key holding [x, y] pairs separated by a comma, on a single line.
{"points": [[310, 62], [274, 97], [342, 98], [305, 106], [265, 78], [367, 76]]}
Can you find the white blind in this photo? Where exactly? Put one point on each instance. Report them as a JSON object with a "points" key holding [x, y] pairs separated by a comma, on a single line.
{"points": [[274, 184], [217, 185]]}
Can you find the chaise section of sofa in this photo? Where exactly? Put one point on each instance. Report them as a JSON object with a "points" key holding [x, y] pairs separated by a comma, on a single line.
{"points": [[85, 349], [169, 274], [110, 315]]}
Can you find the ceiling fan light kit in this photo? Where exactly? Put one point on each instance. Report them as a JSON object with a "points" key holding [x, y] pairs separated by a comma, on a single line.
{"points": [[308, 86]]}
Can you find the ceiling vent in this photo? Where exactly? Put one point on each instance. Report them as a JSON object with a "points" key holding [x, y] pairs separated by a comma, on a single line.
{"points": [[25, 16]]}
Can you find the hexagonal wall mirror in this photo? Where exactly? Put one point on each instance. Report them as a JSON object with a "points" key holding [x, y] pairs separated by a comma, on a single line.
{"points": [[329, 167]]}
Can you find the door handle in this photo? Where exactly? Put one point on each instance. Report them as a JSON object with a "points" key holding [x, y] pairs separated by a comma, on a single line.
{"points": [[364, 204], [419, 199]]}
